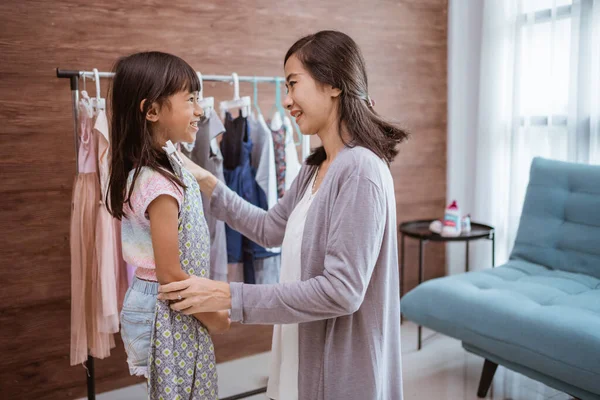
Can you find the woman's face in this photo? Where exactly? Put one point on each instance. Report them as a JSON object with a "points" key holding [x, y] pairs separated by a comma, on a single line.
{"points": [[312, 104]]}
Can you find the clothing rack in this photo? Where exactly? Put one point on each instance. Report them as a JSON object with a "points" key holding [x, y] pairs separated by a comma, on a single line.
{"points": [[74, 76], [66, 73]]}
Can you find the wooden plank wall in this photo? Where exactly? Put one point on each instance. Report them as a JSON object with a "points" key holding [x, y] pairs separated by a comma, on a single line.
{"points": [[404, 43]]}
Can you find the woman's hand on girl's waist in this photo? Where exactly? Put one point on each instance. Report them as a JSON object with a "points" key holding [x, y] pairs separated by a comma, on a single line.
{"points": [[197, 295]]}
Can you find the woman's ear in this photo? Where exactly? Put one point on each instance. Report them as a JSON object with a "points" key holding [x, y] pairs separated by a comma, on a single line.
{"points": [[152, 114], [335, 92]]}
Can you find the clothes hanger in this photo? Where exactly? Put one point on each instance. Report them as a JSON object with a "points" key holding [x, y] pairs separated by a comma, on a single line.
{"points": [[99, 103], [243, 103], [208, 103], [255, 102], [279, 112], [86, 101], [84, 93], [259, 117]]}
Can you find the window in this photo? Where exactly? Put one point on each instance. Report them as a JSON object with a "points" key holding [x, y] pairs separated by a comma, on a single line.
{"points": [[543, 62]]}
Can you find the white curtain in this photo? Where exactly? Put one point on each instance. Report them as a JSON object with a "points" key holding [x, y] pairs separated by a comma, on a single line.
{"points": [[538, 95]]}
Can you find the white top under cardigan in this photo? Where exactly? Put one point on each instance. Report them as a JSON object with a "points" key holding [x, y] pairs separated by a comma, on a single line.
{"points": [[283, 376]]}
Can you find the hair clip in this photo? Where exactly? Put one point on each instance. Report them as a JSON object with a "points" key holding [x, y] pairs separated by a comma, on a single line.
{"points": [[172, 153]]}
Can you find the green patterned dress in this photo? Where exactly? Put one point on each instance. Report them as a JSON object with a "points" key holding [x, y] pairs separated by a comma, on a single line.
{"points": [[182, 357]]}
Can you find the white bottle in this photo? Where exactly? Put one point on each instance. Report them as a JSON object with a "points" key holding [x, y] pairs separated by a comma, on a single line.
{"points": [[452, 223], [466, 224]]}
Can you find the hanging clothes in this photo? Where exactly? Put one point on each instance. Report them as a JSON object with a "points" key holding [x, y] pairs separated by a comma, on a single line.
{"points": [[236, 147], [182, 359], [266, 270], [292, 165], [263, 158], [206, 153], [279, 147], [86, 312], [111, 266], [235, 272]]}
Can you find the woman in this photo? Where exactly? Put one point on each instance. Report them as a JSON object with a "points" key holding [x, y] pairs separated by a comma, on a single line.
{"points": [[339, 290]]}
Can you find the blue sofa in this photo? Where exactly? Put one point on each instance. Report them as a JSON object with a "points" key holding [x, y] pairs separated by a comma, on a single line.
{"points": [[538, 314]]}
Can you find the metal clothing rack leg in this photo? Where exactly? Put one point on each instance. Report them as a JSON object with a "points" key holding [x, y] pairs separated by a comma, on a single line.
{"points": [[91, 379]]}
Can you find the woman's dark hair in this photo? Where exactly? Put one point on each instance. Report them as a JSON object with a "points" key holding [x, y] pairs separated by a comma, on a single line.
{"points": [[333, 58], [153, 77]]}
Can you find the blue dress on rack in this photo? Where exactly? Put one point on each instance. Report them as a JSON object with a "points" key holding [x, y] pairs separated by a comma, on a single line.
{"points": [[240, 177]]}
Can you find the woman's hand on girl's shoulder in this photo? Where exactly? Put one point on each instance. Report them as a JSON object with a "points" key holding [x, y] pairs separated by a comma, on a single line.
{"points": [[205, 179], [196, 170]]}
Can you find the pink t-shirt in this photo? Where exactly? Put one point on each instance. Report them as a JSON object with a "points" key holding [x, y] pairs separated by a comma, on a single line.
{"points": [[135, 228]]}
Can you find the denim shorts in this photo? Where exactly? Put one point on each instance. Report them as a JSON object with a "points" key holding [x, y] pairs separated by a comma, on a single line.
{"points": [[137, 320]]}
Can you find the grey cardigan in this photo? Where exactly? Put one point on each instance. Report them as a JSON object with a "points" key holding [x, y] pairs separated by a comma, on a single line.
{"points": [[347, 303]]}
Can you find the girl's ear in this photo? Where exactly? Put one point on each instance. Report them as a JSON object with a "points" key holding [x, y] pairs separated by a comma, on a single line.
{"points": [[152, 114]]}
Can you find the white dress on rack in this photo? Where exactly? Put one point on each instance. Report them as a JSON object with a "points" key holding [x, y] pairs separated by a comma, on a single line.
{"points": [[283, 376], [292, 164]]}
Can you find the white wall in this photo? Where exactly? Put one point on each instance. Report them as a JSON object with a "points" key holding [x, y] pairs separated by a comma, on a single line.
{"points": [[464, 50]]}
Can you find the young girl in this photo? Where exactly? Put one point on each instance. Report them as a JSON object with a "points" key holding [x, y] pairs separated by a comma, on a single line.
{"points": [[164, 233]]}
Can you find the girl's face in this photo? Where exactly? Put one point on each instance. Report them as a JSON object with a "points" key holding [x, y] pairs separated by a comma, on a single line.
{"points": [[311, 103], [177, 119]]}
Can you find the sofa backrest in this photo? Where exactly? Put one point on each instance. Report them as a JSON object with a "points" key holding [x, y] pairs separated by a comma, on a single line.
{"points": [[560, 223]]}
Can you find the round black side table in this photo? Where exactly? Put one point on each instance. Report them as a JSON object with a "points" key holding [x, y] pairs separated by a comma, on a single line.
{"points": [[420, 230]]}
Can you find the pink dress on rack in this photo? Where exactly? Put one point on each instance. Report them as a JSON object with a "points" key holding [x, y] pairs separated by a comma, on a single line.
{"points": [[112, 269], [86, 316]]}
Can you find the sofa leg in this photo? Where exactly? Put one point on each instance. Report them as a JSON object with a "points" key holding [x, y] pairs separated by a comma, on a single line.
{"points": [[487, 376]]}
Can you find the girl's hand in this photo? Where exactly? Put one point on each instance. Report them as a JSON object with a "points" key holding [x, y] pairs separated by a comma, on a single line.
{"points": [[206, 180], [197, 295]]}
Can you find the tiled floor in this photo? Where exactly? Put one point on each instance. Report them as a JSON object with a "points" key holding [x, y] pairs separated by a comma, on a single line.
{"points": [[444, 370], [441, 370]]}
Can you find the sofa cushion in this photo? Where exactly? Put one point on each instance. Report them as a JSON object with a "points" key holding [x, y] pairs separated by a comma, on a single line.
{"points": [[547, 320], [560, 222]]}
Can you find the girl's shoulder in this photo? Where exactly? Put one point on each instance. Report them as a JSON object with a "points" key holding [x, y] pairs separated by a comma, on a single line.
{"points": [[150, 184], [148, 176]]}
